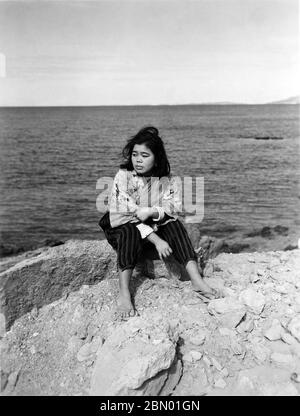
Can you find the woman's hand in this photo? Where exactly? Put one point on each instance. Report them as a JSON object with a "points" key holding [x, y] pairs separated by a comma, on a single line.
{"points": [[144, 213], [163, 248]]}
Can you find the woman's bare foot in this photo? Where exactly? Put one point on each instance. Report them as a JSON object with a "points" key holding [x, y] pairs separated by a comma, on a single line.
{"points": [[125, 307], [203, 288]]}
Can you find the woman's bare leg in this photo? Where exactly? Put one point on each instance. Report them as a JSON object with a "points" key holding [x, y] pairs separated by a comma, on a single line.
{"points": [[196, 279], [125, 306]]}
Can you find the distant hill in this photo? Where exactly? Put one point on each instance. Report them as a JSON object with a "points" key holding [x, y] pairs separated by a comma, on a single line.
{"points": [[290, 100]]}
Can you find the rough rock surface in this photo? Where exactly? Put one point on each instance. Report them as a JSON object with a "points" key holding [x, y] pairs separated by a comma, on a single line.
{"points": [[60, 334]]}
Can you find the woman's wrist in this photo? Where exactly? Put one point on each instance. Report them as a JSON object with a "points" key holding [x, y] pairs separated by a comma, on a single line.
{"points": [[153, 238], [154, 213]]}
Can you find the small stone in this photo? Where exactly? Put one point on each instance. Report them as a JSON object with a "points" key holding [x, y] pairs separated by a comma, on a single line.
{"points": [[236, 348], [246, 326], [207, 360], [224, 372], [255, 301], [187, 357], [199, 338], [220, 383], [287, 338], [82, 330], [228, 292], [294, 327], [35, 334], [192, 356], [216, 364], [225, 305], [196, 355], [274, 332]]}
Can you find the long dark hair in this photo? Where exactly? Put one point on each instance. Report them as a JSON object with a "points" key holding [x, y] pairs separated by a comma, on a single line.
{"points": [[149, 136]]}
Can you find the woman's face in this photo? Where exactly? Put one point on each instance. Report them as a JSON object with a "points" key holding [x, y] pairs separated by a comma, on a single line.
{"points": [[143, 159]]}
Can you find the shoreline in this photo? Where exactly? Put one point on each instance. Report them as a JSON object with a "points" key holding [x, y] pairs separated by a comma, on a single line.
{"points": [[229, 238]]}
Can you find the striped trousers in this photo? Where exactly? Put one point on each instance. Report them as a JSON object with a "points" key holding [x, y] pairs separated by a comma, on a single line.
{"points": [[126, 240]]}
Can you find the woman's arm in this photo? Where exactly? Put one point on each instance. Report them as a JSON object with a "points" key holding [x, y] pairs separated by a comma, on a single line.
{"points": [[171, 202], [147, 212], [162, 247], [121, 202]]}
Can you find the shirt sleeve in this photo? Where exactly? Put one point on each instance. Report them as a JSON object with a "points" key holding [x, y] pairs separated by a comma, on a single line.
{"points": [[144, 229], [161, 213], [121, 202]]}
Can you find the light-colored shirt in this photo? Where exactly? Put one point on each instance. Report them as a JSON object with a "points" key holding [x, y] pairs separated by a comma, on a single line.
{"points": [[131, 191]]}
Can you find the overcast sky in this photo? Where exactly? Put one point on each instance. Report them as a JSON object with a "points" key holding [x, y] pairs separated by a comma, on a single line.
{"points": [[114, 52]]}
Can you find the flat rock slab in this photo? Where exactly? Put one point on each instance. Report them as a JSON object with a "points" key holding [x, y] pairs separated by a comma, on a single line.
{"points": [[134, 359], [229, 311]]}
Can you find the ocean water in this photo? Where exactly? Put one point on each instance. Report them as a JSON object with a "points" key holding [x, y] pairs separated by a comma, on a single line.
{"points": [[51, 159]]}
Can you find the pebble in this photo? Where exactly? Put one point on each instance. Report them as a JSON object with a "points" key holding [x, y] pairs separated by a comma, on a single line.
{"points": [[224, 372], [216, 364], [220, 383], [236, 348], [196, 355], [287, 338], [274, 332], [199, 338], [207, 360], [228, 292], [246, 326], [254, 300]]}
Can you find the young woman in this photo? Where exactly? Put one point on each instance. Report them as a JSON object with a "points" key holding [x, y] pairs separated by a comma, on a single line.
{"points": [[144, 206]]}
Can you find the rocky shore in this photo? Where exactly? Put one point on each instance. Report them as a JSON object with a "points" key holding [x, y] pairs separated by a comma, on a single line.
{"points": [[60, 334]]}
